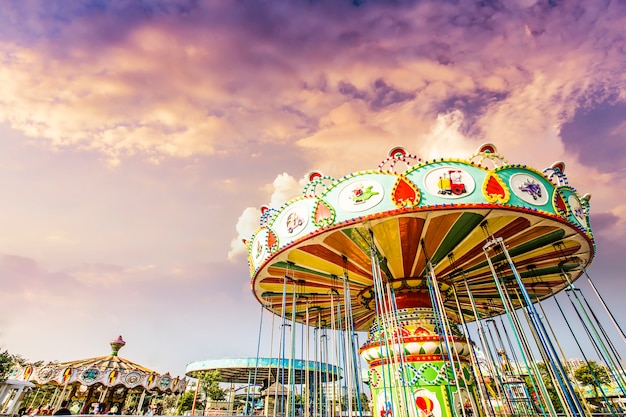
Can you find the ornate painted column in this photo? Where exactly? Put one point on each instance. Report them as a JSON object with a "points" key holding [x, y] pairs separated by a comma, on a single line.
{"points": [[410, 373]]}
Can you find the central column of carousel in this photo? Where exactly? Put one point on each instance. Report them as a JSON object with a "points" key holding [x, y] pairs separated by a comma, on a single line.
{"points": [[419, 366]]}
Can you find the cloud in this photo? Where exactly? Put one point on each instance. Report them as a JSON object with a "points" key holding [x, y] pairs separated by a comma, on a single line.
{"points": [[247, 224], [180, 79], [597, 135], [229, 103], [610, 225], [211, 76], [26, 275], [146, 304], [283, 189], [603, 223], [446, 137], [383, 95]]}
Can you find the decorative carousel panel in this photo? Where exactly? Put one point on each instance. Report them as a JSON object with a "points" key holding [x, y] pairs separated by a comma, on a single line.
{"points": [[90, 376], [453, 208], [132, 379]]}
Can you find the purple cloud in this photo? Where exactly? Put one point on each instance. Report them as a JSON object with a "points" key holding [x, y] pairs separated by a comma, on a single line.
{"points": [[597, 135], [603, 221], [134, 134], [381, 96]]}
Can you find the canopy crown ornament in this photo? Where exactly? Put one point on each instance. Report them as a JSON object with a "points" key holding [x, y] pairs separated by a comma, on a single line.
{"points": [[116, 345]]}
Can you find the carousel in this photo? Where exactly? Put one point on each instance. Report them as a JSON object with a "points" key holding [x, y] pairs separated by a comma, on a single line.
{"points": [[437, 263], [101, 385], [261, 384]]}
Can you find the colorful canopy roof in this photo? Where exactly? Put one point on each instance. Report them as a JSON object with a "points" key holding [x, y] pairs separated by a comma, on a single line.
{"points": [[106, 363], [109, 371], [262, 370], [321, 245]]}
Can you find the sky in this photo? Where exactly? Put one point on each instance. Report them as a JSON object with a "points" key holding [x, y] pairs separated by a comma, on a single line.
{"points": [[139, 139]]}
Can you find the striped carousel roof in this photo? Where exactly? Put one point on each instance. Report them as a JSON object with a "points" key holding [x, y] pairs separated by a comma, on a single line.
{"points": [[247, 370], [111, 370], [442, 213], [108, 363]]}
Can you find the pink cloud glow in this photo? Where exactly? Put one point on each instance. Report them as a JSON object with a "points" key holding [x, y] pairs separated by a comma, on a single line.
{"points": [[140, 138]]}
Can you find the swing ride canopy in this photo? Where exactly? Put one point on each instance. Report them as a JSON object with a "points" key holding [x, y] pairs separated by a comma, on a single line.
{"points": [[439, 213], [109, 371], [264, 370]]}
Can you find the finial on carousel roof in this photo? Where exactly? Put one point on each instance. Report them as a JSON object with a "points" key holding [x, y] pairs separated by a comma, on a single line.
{"points": [[266, 215], [116, 345], [488, 152], [315, 174], [317, 185], [556, 173], [395, 155], [559, 165], [487, 148]]}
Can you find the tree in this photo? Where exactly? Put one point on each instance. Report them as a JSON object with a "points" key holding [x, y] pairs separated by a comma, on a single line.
{"points": [[210, 384], [169, 403], [365, 402], [362, 400], [549, 384], [592, 374], [185, 402], [6, 363]]}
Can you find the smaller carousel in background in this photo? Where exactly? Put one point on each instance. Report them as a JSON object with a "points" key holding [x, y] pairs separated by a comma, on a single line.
{"points": [[100, 385]]}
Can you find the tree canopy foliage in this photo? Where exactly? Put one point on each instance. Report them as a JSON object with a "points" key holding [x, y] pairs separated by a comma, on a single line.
{"points": [[6, 363], [592, 374], [210, 384], [549, 384], [185, 402]]}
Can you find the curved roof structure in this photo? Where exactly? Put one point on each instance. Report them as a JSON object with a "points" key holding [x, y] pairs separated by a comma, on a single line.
{"points": [[262, 370], [109, 371], [104, 363], [441, 212]]}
